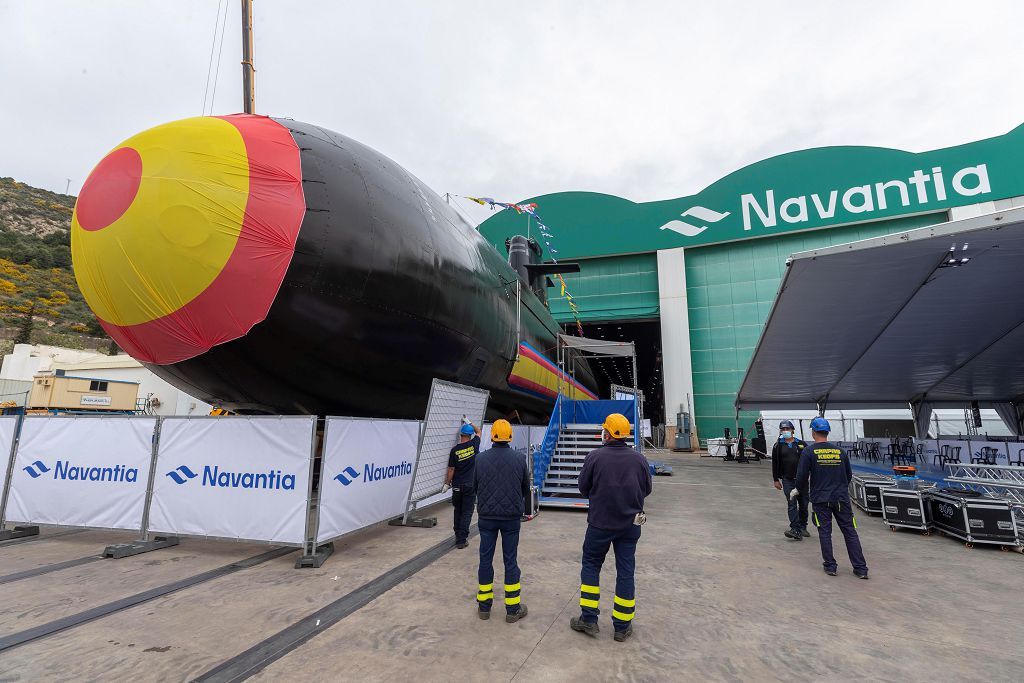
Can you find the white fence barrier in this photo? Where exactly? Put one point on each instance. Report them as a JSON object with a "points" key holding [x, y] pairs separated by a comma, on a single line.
{"points": [[82, 471], [366, 470], [234, 477], [241, 478]]}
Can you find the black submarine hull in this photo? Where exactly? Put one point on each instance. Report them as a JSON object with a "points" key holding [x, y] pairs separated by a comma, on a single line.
{"points": [[387, 288]]}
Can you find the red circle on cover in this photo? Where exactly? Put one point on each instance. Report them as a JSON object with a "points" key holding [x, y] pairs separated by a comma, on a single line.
{"points": [[110, 189]]}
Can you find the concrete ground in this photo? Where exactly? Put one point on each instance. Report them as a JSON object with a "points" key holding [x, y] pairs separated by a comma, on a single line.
{"points": [[721, 595]]}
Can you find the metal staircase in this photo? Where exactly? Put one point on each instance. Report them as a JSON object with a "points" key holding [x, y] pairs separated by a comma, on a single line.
{"points": [[575, 441]]}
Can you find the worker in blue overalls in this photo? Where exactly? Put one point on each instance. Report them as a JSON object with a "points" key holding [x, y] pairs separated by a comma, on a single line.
{"points": [[503, 483], [824, 473], [616, 479], [785, 459]]}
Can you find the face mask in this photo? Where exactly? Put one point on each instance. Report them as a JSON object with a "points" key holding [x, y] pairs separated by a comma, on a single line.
{"points": [[787, 435]]}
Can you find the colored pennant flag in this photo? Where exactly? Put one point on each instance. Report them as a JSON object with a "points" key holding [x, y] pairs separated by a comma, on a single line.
{"points": [[478, 200]]}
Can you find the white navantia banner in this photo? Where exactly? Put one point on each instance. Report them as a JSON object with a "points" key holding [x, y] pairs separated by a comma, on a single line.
{"points": [[367, 468], [233, 477], [82, 471], [8, 427]]}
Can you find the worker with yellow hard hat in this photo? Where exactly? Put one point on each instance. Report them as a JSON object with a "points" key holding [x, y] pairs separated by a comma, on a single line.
{"points": [[503, 497], [616, 479]]}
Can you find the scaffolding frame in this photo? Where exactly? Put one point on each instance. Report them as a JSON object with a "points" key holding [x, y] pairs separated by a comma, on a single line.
{"points": [[571, 351]]}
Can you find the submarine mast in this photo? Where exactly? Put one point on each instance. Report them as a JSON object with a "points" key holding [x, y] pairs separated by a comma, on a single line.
{"points": [[248, 70]]}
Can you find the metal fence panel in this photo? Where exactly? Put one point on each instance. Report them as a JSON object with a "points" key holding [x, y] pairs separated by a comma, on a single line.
{"points": [[85, 471], [8, 432], [234, 477], [366, 471], [449, 402]]}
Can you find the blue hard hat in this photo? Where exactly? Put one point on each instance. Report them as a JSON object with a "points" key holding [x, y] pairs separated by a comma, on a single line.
{"points": [[820, 424], [467, 430], [786, 424]]}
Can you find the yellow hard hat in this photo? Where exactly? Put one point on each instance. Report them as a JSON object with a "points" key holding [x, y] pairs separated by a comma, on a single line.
{"points": [[501, 431], [617, 425]]}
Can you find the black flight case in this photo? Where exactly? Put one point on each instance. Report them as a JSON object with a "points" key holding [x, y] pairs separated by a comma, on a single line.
{"points": [[976, 518], [866, 490], [907, 508]]}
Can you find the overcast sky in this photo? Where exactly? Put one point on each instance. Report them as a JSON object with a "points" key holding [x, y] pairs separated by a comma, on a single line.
{"points": [[646, 100]]}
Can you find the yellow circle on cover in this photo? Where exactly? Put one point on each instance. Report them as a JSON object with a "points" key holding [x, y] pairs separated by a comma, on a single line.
{"points": [[159, 218]]}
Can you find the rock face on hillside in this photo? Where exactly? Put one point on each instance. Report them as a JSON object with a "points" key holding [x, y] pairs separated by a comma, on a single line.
{"points": [[32, 211], [36, 280]]}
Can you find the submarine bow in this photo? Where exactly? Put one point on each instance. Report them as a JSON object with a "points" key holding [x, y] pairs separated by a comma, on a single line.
{"points": [[182, 235], [272, 266]]}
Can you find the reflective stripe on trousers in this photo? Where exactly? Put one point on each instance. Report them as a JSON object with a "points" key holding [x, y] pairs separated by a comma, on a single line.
{"points": [[623, 609], [595, 547]]}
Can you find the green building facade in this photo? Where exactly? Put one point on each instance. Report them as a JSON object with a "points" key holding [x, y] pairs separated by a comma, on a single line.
{"points": [[708, 266]]}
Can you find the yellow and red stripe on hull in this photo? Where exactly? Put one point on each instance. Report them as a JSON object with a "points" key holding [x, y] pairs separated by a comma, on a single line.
{"points": [[534, 374]]}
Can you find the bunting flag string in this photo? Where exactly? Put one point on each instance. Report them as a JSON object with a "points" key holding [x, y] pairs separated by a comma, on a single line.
{"points": [[531, 210]]}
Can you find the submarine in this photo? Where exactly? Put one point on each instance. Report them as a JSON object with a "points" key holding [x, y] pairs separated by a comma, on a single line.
{"points": [[269, 266]]}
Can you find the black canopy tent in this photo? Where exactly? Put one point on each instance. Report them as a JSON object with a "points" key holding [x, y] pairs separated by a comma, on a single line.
{"points": [[927, 318]]}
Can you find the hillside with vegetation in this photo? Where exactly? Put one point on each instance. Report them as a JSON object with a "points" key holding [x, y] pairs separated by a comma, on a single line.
{"points": [[39, 299]]}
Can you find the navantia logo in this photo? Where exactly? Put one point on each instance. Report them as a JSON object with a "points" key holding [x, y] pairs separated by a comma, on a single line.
{"points": [[347, 476], [702, 214], [373, 473], [213, 476], [65, 470], [36, 469], [181, 474], [918, 190]]}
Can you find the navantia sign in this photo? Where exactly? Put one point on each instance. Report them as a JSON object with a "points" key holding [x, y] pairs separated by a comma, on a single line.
{"points": [[812, 188]]}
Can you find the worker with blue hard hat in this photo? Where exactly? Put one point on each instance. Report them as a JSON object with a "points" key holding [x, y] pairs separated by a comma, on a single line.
{"points": [[460, 479], [785, 459], [824, 474]]}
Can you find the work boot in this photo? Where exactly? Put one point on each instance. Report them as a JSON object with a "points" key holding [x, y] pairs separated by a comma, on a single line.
{"points": [[860, 575], [484, 614], [577, 624], [620, 636], [805, 533], [795, 535], [513, 618]]}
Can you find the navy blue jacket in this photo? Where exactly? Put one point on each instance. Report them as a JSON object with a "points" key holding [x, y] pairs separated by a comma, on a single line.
{"points": [[502, 483], [616, 479], [828, 467]]}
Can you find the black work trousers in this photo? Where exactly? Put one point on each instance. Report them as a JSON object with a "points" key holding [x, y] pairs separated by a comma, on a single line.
{"points": [[463, 498]]}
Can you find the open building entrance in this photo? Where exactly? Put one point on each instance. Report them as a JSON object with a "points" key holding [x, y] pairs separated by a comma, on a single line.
{"points": [[646, 337]]}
